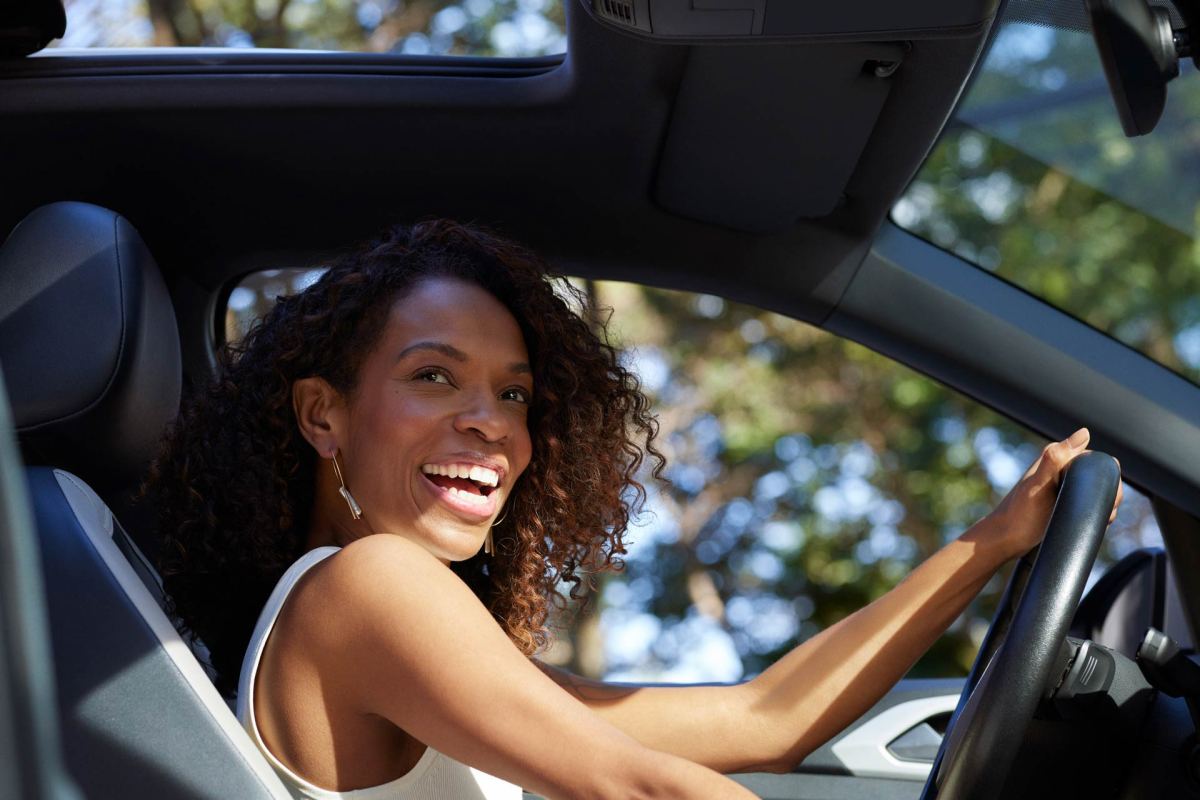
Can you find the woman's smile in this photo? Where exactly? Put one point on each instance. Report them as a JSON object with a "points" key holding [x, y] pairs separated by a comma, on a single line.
{"points": [[468, 484]]}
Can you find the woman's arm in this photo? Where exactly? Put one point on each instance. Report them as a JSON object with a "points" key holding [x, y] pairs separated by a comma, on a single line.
{"points": [[772, 722], [805, 698], [400, 636], [816, 690]]}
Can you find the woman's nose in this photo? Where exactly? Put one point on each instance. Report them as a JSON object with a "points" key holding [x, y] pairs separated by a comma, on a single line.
{"points": [[483, 417]]}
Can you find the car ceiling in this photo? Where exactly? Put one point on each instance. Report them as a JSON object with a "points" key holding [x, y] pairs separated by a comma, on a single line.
{"points": [[760, 171]]}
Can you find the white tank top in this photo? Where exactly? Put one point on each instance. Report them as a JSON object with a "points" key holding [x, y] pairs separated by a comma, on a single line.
{"points": [[436, 776]]}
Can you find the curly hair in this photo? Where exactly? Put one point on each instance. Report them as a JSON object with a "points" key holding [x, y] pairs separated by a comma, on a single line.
{"points": [[234, 482]]}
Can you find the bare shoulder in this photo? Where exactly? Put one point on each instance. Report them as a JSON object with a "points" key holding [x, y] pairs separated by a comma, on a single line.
{"points": [[379, 579], [380, 552]]}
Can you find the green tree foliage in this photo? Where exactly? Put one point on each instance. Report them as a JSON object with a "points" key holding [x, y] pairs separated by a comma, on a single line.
{"points": [[469, 27], [808, 475]]}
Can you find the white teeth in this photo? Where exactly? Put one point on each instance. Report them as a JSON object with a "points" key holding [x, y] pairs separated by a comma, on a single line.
{"points": [[488, 477], [481, 475], [469, 497]]}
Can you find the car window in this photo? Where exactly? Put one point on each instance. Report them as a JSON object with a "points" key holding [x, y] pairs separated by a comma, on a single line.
{"points": [[429, 27], [807, 476], [1035, 181]]}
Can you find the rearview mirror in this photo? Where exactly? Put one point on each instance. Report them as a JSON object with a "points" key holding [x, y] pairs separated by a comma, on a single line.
{"points": [[1140, 52]]}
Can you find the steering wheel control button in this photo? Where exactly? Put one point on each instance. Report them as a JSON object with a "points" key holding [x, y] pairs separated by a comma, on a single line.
{"points": [[1087, 681]]}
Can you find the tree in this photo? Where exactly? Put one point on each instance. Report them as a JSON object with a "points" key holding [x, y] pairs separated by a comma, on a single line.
{"points": [[470, 27]]}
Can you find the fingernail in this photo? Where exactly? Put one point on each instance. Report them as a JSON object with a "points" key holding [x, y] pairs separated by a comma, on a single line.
{"points": [[1078, 437]]}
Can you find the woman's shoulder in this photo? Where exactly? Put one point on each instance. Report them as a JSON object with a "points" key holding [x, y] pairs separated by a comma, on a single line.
{"points": [[376, 579], [380, 552]]}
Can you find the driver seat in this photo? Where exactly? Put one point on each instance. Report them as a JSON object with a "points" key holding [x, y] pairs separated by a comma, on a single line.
{"points": [[90, 352]]}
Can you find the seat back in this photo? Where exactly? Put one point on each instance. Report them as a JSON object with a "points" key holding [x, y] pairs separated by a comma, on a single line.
{"points": [[89, 344]]}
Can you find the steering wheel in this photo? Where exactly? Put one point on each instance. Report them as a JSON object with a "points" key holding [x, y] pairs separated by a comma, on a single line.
{"points": [[1022, 646]]}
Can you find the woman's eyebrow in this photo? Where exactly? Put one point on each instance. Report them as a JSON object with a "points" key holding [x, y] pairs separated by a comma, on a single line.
{"points": [[450, 351], [438, 347]]}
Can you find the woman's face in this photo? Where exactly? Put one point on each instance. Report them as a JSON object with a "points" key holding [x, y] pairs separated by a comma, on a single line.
{"points": [[436, 432]]}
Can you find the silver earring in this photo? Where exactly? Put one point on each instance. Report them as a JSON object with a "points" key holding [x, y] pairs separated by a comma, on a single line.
{"points": [[355, 508]]}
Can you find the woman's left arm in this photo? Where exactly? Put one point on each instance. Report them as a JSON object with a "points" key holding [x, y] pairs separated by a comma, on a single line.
{"points": [[773, 721]]}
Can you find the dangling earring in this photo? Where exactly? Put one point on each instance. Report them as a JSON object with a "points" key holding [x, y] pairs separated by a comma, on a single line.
{"points": [[488, 546], [355, 509]]}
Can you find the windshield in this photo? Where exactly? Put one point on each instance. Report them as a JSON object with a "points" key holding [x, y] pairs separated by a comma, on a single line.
{"points": [[1035, 181], [514, 28]]}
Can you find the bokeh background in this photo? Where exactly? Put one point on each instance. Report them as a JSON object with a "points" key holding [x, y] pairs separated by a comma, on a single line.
{"points": [[416, 27]]}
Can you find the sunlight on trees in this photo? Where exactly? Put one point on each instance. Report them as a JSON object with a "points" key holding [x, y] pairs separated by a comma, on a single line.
{"points": [[418, 27]]}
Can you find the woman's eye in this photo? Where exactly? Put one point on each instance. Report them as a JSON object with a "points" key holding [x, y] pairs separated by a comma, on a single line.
{"points": [[432, 376], [515, 393]]}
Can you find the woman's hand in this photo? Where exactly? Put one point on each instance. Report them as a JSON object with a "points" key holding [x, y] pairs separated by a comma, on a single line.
{"points": [[1025, 511]]}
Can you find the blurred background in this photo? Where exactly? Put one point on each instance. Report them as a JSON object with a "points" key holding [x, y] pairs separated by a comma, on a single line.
{"points": [[418, 27], [808, 475]]}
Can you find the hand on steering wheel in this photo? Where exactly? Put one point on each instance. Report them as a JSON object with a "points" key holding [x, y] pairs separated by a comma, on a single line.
{"points": [[1021, 647]]}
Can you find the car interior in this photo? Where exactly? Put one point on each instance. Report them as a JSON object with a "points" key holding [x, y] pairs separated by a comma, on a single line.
{"points": [[749, 150]]}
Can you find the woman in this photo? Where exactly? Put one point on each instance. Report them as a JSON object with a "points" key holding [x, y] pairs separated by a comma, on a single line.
{"points": [[391, 474]]}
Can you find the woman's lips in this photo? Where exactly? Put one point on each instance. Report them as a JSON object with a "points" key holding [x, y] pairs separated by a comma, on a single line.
{"points": [[475, 507]]}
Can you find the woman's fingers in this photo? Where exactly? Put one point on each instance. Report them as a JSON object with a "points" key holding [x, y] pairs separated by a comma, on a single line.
{"points": [[1056, 455], [1120, 494], [1054, 458], [1112, 517]]}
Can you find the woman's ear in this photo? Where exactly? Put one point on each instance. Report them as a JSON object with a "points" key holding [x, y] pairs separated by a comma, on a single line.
{"points": [[318, 407]]}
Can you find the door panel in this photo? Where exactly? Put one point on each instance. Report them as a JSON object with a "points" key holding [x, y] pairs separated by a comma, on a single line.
{"points": [[857, 763]]}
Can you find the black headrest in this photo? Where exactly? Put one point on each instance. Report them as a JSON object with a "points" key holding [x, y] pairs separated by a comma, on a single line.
{"points": [[27, 26], [88, 343]]}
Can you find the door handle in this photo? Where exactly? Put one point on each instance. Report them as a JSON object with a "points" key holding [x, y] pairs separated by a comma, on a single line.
{"points": [[916, 744], [894, 743]]}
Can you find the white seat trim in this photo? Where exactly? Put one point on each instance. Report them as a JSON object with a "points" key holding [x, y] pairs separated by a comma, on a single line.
{"points": [[97, 522]]}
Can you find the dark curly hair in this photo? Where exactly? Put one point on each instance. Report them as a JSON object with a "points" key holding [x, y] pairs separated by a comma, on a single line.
{"points": [[234, 482]]}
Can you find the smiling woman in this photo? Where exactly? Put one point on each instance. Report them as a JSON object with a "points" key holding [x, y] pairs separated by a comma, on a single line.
{"points": [[326, 507], [433, 385]]}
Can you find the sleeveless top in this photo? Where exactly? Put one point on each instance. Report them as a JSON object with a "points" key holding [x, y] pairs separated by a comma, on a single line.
{"points": [[436, 776]]}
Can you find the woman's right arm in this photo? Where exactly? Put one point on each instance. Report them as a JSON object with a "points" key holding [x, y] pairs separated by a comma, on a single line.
{"points": [[400, 636]]}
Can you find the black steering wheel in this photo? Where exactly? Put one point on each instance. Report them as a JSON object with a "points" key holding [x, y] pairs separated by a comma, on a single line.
{"points": [[1022, 646]]}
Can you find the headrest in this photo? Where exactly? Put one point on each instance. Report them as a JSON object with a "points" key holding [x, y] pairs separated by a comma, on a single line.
{"points": [[88, 343]]}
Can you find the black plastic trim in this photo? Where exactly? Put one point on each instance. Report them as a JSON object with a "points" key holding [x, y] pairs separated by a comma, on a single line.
{"points": [[215, 61], [881, 35]]}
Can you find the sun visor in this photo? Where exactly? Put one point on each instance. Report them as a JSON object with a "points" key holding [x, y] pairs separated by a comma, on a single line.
{"points": [[707, 20], [759, 161]]}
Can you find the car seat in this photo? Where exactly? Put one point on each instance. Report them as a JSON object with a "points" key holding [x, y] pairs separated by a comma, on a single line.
{"points": [[90, 351]]}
